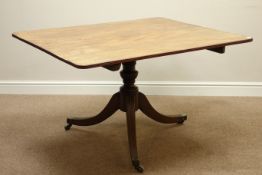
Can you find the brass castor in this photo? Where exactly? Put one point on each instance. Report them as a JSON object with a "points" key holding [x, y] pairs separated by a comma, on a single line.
{"points": [[139, 168], [181, 119], [68, 126]]}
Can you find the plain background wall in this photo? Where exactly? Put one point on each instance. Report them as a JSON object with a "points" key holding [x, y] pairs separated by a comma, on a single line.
{"points": [[241, 63]]}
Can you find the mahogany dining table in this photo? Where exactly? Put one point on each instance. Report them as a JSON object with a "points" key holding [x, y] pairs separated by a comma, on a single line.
{"points": [[110, 45]]}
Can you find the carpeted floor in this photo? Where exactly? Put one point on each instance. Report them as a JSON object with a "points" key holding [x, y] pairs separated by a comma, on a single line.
{"points": [[222, 136]]}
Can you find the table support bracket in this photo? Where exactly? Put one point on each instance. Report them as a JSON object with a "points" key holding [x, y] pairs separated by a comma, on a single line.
{"points": [[221, 49], [114, 67], [128, 100]]}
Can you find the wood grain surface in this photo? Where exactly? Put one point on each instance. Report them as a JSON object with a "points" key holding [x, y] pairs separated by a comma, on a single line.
{"points": [[111, 43]]}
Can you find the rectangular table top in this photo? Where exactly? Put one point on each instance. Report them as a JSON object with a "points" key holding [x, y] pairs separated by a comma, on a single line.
{"points": [[115, 42]]}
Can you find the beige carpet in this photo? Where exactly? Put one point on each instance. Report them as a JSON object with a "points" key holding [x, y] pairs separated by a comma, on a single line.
{"points": [[222, 136]]}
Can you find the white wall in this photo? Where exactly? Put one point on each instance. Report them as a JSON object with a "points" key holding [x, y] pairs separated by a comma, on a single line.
{"points": [[22, 65]]}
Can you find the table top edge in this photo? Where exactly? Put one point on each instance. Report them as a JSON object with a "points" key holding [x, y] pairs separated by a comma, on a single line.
{"points": [[248, 39]]}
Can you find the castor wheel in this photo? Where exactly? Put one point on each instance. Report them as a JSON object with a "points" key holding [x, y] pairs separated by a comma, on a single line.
{"points": [[68, 126], [181, 119], [139, 168]]}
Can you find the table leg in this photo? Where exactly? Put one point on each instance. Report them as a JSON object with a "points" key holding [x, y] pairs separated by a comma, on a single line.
{"points": [[131, 130], [149, 111], [110, 109]]}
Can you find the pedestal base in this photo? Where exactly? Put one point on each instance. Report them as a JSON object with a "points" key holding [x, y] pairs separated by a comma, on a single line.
{"points": [[128, 100]]}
